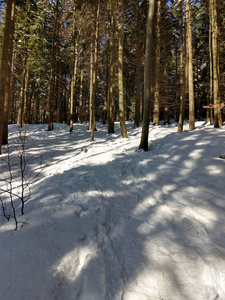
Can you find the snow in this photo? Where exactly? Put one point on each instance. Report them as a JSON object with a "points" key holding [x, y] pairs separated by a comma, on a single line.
{"points": [[116, 222]]}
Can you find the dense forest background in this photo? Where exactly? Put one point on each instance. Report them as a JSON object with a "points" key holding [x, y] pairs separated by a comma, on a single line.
{"points": [[84, 61]]}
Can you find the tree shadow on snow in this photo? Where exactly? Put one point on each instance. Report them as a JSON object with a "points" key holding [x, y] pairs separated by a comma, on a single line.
{"points": [[142, 226]]}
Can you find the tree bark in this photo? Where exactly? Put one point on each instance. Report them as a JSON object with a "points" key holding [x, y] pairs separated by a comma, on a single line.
{"points": [[74, 72], [80, 115], [137, 118], [209, 111], [217, 112], [26, 104], [190, 67], [5, 73], [22, 92], [120, 71], [112, 69], [183, 72], [147, 77], [157, 66], [94, 74]]}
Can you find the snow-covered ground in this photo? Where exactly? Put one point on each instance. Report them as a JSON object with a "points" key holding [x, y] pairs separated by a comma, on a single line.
{"points": [[117, 223]]}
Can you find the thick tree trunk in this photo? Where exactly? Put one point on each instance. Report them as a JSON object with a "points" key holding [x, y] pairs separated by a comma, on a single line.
{"points": [[190, 67], [120, 71], [147, 77], [5, 73]]}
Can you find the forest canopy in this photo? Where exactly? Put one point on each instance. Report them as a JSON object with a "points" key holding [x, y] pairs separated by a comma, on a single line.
{"points": [[84, 61]]}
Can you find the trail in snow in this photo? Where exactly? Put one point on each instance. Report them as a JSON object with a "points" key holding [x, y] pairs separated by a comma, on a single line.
{"points": [[118, 223]]}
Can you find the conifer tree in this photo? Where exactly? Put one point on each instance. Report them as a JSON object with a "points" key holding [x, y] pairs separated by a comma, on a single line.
{"points": [[5, 72]]}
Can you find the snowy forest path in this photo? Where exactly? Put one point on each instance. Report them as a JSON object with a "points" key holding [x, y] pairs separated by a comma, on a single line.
{"points": [[116, 223]]}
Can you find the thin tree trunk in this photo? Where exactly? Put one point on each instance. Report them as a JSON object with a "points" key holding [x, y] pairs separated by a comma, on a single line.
{"points": [[137, 118], [91, 82], [183, 72], [106, 102], [25, 108], [50, 93], [198, 89], [120, 71], [5, 73], [157, 66], [94, 74], [13, 103], [215, 63], [112, 69], [166, 93], [190, 67], [74, 72], [80, 114], [147, 77], [22, 93], [209, 111], [59, 94]]}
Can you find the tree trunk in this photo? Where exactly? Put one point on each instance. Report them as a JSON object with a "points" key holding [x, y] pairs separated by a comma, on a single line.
{"points": [[22, 92], [190, 67], [112, 69], [50, 92], [94, 74], [26, 104], [74, 72], [198, 89], [157, 66], [215, 72], [209, 111], [80, 115], [120, 71], [183, 72], [5, 73], [51, 86], [166, 93], [147, 78], [137, 118], [59, 94], [106, 102], [91, 81]]}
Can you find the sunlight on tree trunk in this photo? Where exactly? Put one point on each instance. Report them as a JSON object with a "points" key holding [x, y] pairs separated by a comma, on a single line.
{"points": [[190, 66]]}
